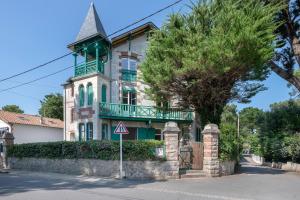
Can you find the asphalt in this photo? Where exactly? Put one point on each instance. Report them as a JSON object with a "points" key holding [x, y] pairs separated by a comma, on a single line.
{"points": [[253, 182]]}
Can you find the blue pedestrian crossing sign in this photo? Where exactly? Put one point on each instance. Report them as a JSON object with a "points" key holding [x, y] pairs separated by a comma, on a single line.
{"points": [[121, 129]]}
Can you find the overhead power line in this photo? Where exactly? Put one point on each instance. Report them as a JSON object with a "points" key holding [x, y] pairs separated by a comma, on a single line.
{"points": [[67, 54], [58, 58], [32, 81]]}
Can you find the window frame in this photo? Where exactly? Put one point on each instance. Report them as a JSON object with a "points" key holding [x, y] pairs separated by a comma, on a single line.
{"points": [[104, 135], [103, 93], [81, 95], [89, 131], [129, 60], [90, 94], [81, 133]]}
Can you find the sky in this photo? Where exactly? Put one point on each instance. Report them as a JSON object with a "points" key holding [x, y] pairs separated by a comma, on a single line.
{"points": [[34, 32]]}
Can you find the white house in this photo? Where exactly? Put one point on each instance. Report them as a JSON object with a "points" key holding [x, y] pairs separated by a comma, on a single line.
{"points": [[31, 128], [107, 87]]}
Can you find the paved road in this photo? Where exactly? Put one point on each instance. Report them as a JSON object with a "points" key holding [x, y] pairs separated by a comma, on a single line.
{"points": [[252, 183]]}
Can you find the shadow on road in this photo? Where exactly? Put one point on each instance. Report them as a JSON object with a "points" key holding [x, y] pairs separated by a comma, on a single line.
{"points": [[19, 182], [249, 167]]}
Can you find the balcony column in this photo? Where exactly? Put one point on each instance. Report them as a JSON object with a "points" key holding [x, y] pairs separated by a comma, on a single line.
{"points": [[97, 56], [75, 61], [85, 58]]}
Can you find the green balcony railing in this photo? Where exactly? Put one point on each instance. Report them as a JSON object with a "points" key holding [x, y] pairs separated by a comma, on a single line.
{"points": [[88, 68], [128, 75], [140, 113]]}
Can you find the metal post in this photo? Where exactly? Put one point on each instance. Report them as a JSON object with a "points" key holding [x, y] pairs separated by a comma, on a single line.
{"points": [[238, 136], [121, 157]]}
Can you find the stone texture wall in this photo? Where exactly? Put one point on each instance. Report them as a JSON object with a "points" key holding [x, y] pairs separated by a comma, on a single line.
{"points": [[227, 168], [289, 166], [90, 167], [211, 165]]}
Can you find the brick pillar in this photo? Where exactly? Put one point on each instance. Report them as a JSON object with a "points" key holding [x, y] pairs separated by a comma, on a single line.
{"points": [[171, 132], [211, 161], [8, 140]]}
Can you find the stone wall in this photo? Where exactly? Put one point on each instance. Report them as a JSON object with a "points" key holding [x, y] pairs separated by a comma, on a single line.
{"points": [[227, 168], [90, 167], [289, 166]]}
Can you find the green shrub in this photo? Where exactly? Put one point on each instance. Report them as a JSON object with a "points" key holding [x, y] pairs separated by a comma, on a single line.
{"points": [[228, 142], [291, 148], [104, 150]]}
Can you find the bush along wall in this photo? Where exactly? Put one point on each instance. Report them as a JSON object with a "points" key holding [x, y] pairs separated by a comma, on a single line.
{"points": [[103, 150]]}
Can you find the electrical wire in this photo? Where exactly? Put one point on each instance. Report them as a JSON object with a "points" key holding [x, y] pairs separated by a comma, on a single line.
{"points": [[107, 37]]}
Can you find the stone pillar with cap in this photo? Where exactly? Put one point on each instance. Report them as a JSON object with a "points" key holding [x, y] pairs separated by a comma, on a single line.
{"points": [[210, 140], [8, 140], [171, 132]]}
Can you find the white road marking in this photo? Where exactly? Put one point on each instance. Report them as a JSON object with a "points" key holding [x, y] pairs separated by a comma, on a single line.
{"points": [[192, 194]]}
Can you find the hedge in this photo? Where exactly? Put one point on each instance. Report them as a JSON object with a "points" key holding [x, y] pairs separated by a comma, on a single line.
{"points": [[103, 150]]}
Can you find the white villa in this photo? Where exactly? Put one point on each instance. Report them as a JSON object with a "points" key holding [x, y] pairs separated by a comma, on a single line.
{"points": [[107, 87]]}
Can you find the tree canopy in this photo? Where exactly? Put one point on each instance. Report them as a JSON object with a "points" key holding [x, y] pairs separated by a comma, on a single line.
{"points": [[12, 108], [287, 59], [212, 55], [52, 106]]}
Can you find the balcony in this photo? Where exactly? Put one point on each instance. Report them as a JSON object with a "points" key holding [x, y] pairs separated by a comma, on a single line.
{"points": [[143, 113], [88, 68], [128, 75]]}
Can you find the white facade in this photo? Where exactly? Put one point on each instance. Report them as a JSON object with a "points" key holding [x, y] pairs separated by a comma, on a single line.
{"points": [[30, 133], [125, 99]]}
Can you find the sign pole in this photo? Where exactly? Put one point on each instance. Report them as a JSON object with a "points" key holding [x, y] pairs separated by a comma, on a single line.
{"points": [[121, 129], [121, 157]]}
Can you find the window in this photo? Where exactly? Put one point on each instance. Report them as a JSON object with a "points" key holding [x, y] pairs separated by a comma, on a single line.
{"points": [[81, 95], [129, 64], [158, 134], [90, 94], [104, 132], [129, 97], [81, 130], [103, 93], [89, 131]]}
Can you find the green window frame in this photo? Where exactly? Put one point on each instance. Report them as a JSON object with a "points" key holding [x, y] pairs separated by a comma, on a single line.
{"points": [[103, 93], [90, 94], [89, 131], [81, 95], [81, 131], [105, 132]]}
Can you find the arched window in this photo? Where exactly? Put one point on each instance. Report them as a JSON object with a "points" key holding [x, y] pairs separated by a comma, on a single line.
{"points": [[90, 94], [81, 95], [103, 94]]}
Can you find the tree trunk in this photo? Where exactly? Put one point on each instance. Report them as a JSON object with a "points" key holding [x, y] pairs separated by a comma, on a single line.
{"points": [[295, 81]]}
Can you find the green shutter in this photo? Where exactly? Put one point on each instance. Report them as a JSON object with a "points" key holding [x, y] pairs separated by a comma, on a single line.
{"points": [[103, 93], [90, 94], [146, 133], [81, 96], [114, 137]]}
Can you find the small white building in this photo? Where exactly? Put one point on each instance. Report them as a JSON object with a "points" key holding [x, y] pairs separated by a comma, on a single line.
{"points": [[32, 128]]}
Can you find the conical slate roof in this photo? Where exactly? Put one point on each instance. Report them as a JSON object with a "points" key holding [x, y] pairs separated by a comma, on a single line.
{"points": [[91, 25]]}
